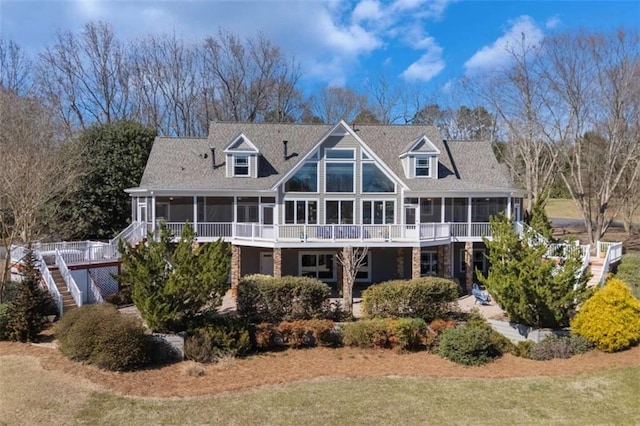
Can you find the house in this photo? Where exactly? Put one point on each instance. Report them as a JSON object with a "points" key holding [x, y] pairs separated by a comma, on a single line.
{"points": [[290, 197]]}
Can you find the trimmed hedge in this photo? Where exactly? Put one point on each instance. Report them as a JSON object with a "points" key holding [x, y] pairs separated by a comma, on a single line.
{"points": [[427, 298], [262, 298], [401, 333], [468, 345], [629, 272], [100, 335], [610, 319]]}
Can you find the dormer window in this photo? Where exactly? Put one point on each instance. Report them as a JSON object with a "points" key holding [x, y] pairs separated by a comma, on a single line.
{"points": [[242, 157], [240, 165], [423, 167]]}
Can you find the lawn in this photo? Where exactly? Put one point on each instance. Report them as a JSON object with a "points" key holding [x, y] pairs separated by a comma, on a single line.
{"points": [[33, 395], [563, 208]]}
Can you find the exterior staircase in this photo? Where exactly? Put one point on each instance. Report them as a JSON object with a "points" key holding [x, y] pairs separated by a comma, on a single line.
{"points": [[68, 303], [596, 264]]}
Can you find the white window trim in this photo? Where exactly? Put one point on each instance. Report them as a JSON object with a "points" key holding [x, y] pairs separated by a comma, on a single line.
{"points": [[373, 200], [353, 164], [415, 166], [340, 201], [328, 150], [484, 259], [295, 211], [233, 169], [366, 268], [432, 253], [317, 253], [395, 185]]}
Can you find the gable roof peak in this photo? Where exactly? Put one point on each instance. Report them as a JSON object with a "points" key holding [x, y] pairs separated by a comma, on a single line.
{"points": [[240, 143], [421, 145]]}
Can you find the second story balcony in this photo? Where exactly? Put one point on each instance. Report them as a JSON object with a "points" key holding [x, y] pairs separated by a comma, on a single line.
{"points": [[305, 234]]}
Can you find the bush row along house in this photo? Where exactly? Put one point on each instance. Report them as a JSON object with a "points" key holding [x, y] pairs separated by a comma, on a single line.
{"points": [[290, 197]]}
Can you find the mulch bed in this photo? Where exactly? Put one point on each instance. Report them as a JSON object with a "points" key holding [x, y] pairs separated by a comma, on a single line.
{"points": [[301, 365]]}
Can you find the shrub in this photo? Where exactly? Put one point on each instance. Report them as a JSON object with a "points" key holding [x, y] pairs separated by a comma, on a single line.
{"points": [[5, 310], [308, 333], [266, 336], [469, 345], [217, 341], [610, 319], [100, 335], [629, 272], [559, 347], [402, 333], [427, 298], [266, 299]]}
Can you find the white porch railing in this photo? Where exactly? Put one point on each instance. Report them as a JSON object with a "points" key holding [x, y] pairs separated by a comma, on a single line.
{"points": [[613, 253], [471, 230], [48, 280], [68, 279], [133, 233], [333, 232]]}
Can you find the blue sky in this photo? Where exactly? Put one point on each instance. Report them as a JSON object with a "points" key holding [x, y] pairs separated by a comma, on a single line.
{"points": [[342, 43]]}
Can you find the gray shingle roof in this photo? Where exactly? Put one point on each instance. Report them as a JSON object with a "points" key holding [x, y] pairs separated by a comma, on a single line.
{"points": [[179, 163]]}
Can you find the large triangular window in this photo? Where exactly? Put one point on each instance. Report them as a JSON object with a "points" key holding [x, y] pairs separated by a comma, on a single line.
{"points": [[375, 180]]}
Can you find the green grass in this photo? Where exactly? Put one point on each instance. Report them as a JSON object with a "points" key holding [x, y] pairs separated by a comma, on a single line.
{"points": [[607, 397], [562, 208], [598, 398]]}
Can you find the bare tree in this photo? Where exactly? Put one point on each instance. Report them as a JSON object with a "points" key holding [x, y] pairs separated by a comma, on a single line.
{"points": [[337, 103], [247, 80], [168, 85], [518, 95], [596, 78], [351, 259], [15, 75], [34, 170], [86, 76]]}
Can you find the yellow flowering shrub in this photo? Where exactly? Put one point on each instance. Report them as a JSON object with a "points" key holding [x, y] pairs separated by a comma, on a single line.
{"points": [[610, 319]]}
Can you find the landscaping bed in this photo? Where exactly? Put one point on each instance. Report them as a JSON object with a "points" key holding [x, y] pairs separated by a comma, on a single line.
{"points": [[301, 365]]}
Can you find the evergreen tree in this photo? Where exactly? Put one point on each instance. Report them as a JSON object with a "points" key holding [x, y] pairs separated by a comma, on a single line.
{"points": [[539, 219], [175, 283], [28, 312], [532, 289]]}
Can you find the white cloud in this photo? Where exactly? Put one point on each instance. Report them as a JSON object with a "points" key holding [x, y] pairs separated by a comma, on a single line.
{"points": [[422, 8], [352, 39], [428, 65], [367, 10], [497, 54], [552, 22]]}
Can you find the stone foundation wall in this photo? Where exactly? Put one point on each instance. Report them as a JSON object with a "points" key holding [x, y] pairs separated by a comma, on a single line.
{"points": [[236, 268], [415, 262]]}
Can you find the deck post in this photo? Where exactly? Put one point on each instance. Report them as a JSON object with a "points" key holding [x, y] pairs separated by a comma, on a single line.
{"points": [[236, 269], [277, 262], [468, 264], [415, 262]]}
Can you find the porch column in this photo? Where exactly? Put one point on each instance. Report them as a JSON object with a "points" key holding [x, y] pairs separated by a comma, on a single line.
{"points": [[195, 215], [134, 208], [469, 211], [236, 269], [277, 262], [415, 262], [509, 206], [153, 214], [468, 264], [400, 262], [442, 211], [447, 261]]}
